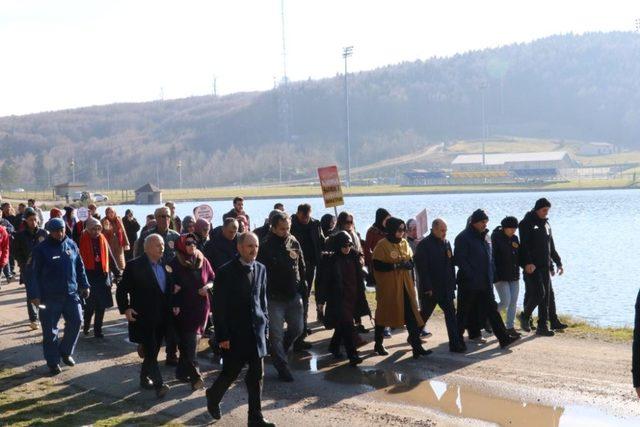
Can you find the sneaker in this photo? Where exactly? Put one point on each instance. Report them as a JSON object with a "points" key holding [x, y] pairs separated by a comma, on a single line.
{"points": [[425, 334], [34, 326], [478, 340]]}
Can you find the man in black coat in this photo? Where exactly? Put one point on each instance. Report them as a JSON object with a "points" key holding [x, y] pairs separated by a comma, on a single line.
{"points": [[538, 255], [475, 280], [23, 244], [238, 209], [143, 296], [437, 280], [241, 322], [308, 232], [222, 247]]}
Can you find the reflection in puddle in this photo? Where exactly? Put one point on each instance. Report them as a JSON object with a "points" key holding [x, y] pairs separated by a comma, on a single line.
{"points": [[463, 401]]}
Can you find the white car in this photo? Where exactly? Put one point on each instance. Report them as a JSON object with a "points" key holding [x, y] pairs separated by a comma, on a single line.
{"points": [[97, 197]]}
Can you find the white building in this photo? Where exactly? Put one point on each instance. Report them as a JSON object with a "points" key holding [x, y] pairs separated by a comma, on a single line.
{"points": [[549, 160], [596, 149]]}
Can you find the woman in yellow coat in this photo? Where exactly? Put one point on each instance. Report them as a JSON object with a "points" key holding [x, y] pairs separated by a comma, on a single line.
{"points": [[396, 300]]}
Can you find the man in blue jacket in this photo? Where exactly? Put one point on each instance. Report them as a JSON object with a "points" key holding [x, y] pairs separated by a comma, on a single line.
{"points": [[57, 281], [474, 259]]}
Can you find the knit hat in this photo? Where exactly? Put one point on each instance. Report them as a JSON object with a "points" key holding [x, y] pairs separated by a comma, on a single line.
{"points": [[91, 222], [340, 240], [542, 203], [29, 212], [54, 224], [509, 222], [478, 215], [55, 213]]}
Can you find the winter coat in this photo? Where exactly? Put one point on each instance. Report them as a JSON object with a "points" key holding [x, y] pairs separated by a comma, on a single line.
{"points": [[473, 257], [116, 235], [170, 237], [131, 227], [4, 246], [536, 242], [393, 280], [338, 308], [435, 266], [284, 261], [505, 256], [313, 246], [219, 250]]}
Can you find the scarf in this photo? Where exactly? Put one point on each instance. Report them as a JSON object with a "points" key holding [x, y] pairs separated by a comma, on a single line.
{"points": [[88, 257]]}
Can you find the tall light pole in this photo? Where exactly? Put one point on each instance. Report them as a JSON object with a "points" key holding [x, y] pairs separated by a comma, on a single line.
{"points": [[179, 166], [483, 87], [346, 53], [73, 170]]}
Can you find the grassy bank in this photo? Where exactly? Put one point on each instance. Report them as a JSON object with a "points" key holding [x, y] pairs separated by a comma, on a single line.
{"points": [[27, 399]]}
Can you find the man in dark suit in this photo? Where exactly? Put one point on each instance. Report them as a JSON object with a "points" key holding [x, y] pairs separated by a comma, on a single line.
{"points": [[143, 297], [241, 323]]}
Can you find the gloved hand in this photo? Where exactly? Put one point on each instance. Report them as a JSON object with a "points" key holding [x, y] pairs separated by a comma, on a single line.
{"points": [[407, 265]]}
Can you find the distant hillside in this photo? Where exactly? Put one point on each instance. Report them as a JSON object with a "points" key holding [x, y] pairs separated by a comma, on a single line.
{"points": [[577, 87]]}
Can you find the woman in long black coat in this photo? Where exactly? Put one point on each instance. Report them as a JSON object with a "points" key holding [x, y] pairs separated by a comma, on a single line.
{"points": [[344, 294]]}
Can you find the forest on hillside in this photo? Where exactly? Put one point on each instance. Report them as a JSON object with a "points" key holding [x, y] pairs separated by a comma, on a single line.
{"points": [[582, 87]]}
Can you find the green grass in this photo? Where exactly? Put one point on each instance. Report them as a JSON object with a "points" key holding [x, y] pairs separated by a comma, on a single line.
{"points": [[27, 399]]}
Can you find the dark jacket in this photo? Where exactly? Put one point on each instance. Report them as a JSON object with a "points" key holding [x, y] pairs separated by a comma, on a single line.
{"points": [[23, 245], [56, 271], [170, 239], [312, 243], [219, 250], [473, 258], [194, 308], [240, 308], [284, 261], [506, 256], [139, 290], [435, 266], [635, 364], [234, 214], [131, 228], [331, 290], [536, 242]]}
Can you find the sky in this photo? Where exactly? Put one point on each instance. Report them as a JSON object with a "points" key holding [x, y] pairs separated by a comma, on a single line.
{"points": [[71, 53]]}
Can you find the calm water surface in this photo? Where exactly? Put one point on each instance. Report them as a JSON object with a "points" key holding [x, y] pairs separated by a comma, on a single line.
{"points": [[594, 231]]}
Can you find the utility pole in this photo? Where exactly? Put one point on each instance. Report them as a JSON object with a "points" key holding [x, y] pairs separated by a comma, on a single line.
{"points": [[108, 176], [157, 176], [180, 173], [215, 86], [346, 53], [73, 170], [283, 96], [483, 87]]}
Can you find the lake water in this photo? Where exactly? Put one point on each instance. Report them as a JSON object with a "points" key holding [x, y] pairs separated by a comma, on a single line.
{"points": [[594, 232]]}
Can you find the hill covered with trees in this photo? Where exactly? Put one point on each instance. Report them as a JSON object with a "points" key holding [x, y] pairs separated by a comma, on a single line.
{"points": [[568, 86]]}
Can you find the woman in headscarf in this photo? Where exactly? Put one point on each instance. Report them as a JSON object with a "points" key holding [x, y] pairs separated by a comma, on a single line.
{"points": [[193, 277], [114, 231], [396, 300], [343, 283], [375, 233], [94, 250], [188, 225], [328, 223]]}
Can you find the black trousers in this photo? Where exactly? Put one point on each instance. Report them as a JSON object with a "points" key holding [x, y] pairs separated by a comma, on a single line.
{"points": [[171, 339], [32, 311], [151, 345], [310, 274], [89, 310], [231, 368], [409, 320], [343, 334], [475, 304], [446, 304], [188, 362], [539, 293]]}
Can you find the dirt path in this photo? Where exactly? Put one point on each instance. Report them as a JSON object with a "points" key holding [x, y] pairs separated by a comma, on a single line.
{"points": [[560, 379]]}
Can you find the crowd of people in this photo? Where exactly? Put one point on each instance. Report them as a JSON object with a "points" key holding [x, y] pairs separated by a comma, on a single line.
{"points": [[178, 280]]}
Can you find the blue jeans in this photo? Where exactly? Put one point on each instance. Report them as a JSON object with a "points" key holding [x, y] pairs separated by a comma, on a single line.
{"points": [[71, 312], [292, 313], [508, 294]]}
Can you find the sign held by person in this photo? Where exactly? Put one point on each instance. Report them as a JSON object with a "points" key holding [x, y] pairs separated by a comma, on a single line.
{"points": [[422, 223], [205, 212], [331, 187], [83, 213]]}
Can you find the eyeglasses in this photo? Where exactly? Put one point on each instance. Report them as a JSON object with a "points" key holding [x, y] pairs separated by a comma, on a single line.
{"points": [[190, 243]]}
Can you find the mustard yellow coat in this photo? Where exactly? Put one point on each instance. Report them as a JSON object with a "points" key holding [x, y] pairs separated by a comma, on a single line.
{"points": [[391, 285]]}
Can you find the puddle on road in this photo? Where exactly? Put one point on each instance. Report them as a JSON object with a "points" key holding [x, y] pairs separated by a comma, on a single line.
{"points": [[459, 400]]}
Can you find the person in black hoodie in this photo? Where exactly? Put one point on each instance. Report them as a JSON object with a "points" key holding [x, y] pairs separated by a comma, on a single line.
{"points": [[538, 256], [507, 268], [437, 280], [281, 254], [475, 277], [343, 283]]}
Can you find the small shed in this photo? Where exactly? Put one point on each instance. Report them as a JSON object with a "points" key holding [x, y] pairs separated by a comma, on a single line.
{"points": [[597, 149], [69, 188], [148, 194]]}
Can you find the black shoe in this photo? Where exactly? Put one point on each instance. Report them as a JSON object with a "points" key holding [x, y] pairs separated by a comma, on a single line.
{"points": [[85, 331], [524, 322], [171, 361], [379, 348], [68, 360], [512, 332], [197, 384], [487, 327], [183, 378], [559, 326], [510, 340], [98, 334], [212, 406], [308, 331], [544, 332], [54, 369], [458, 349], [285, 375], [361, 329], [162, 391], [337, 354], [355, 359], [260, 422], [146, 383], [420, 351], [532, 325], [302, 345]]}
